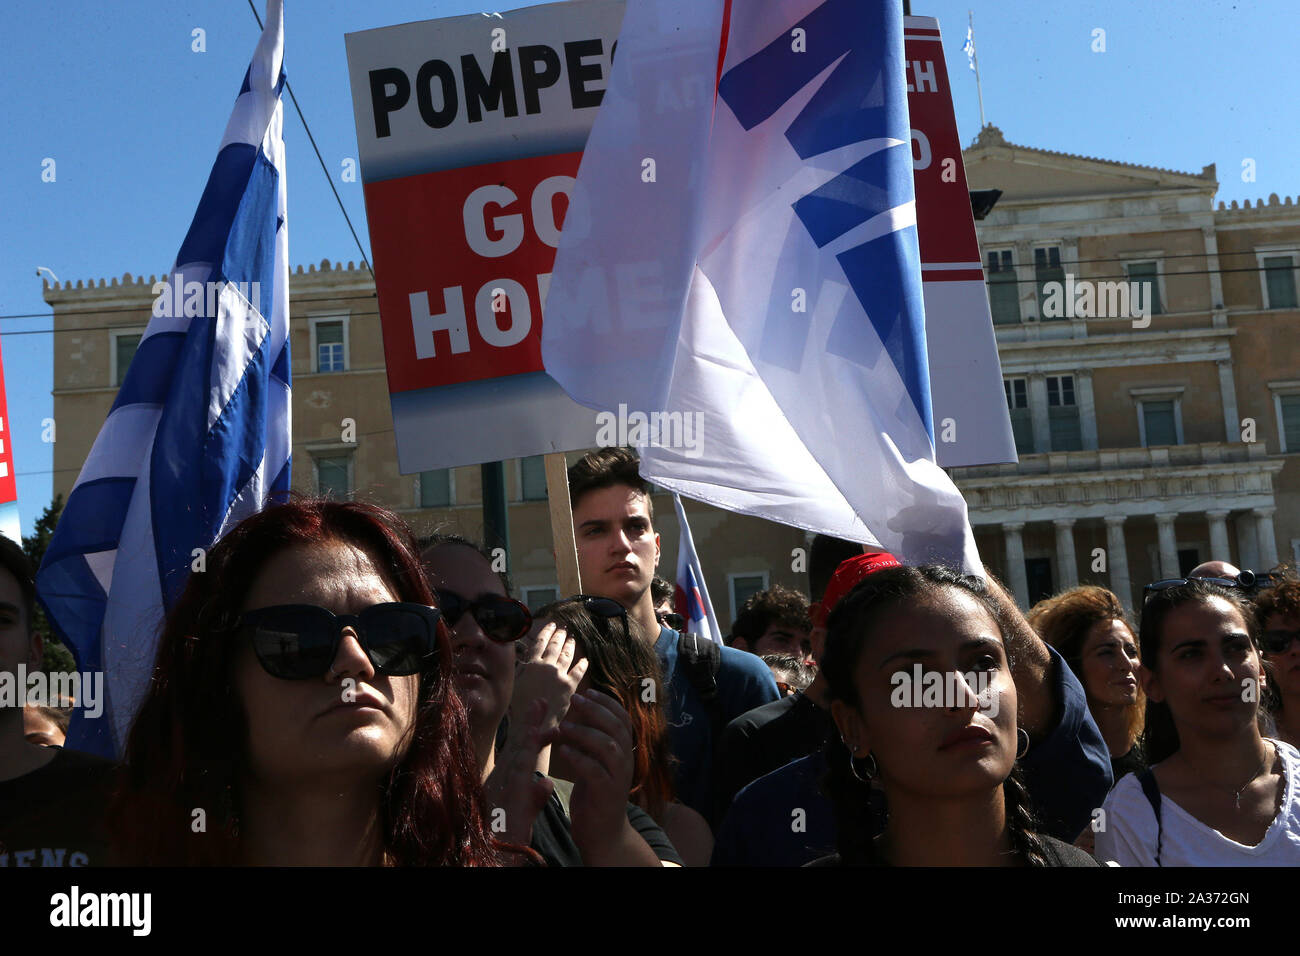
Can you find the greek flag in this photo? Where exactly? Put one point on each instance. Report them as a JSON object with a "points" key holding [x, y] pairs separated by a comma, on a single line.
{"points": [[969, 47], [748, 257], [692, 597], [199, 434]]}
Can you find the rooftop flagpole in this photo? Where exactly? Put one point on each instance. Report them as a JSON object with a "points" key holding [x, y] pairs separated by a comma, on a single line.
{"points": [[974, 62]]}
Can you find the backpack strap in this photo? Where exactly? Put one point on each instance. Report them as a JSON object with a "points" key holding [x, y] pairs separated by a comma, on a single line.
{"points": [[1152, 791], [702, 659]]}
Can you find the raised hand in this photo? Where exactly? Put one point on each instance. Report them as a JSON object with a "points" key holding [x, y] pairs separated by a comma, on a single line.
{"points": [[550, 672], [515, 789], [595, 741]]}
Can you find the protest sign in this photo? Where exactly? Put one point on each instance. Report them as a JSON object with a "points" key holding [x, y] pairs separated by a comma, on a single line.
{"points": [[470, 131]]}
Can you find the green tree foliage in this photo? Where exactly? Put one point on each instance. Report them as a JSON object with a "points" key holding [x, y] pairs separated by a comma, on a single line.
{"points": [[57, 656]]}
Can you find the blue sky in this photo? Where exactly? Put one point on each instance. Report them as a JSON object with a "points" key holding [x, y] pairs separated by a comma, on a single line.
{"points": [[132, 116]]}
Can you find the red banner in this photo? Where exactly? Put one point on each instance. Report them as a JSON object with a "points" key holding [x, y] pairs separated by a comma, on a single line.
{"points": [[475, 312]]}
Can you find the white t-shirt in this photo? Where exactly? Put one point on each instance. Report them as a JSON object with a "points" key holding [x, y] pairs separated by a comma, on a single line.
{"points": [[1129, 835]]}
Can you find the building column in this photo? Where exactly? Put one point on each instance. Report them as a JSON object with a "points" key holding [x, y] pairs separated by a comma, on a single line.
{"points": [[1087, 408], [1117, 561], [1015, 568], [1247, 542], [1212, 266], [1065, 560], [1219, 548], [1228, 391], [1265, 537], [1038, 413], [1168, 545]]}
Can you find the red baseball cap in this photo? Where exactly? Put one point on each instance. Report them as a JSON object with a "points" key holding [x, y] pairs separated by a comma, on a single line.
{"points": [[848, 574]]}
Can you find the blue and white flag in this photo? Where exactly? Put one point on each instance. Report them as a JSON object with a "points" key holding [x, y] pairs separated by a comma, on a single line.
{"points": [[741, 256], [199, 434], [692, 597], [969, 47]]}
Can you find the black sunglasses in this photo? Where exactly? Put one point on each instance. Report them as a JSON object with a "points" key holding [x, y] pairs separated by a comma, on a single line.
{"points": [[1278, 641], [300, 641], [1248, 581], [604, 608], [673, 620], [502, 619]]}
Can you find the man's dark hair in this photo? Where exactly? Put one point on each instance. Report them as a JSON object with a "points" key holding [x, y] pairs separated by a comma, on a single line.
{"points": [[661, 590], [605, 468], [14, 560], [776, 605], [824, 557], [795, 672]]}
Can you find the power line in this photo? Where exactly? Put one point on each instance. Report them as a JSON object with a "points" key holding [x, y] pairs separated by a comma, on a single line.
{"points": [[135, 310], [369, 312], [365, 259], [57, 471]]}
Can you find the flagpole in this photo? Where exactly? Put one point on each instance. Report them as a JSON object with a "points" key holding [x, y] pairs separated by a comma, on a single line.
{"points": [[975, 59]]}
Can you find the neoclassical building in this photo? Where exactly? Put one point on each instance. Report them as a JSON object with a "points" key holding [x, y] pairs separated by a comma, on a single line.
{"points": [[1148, 443]]}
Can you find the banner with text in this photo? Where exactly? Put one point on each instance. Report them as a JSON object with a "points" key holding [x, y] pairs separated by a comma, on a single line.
{"points": [[470, 131]]}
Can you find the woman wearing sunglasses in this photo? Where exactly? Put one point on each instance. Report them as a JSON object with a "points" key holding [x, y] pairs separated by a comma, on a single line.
{"points": [[301, 710], [1218, 793], [1278, 612], [496, 675]]}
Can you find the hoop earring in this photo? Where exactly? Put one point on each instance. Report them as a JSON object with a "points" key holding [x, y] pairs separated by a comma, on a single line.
{"points": [[1023, 736], [853, 767]]}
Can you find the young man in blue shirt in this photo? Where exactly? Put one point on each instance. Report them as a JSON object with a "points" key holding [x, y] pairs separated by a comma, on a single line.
{"points": [[618, 552]]}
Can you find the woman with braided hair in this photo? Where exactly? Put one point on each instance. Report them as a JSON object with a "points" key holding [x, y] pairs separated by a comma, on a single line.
{"points": [[945, 761]]}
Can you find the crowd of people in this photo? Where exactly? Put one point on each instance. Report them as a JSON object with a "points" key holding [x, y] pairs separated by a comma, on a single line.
{"points": [[333, 690]]}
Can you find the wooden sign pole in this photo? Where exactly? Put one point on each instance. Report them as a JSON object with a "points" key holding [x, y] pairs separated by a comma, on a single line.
{"points": [[566, 548]]}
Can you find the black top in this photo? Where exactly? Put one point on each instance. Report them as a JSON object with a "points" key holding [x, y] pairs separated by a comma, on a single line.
{"points": [[1057, 853], [765, 738], [53, 816], [553, 839], [1135, 761]]}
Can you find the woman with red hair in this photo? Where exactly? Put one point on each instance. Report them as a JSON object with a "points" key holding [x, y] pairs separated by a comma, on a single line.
{"points": [[302, 709]]}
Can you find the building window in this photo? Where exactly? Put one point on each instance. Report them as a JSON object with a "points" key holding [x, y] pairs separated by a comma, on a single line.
{"points": [[532, 478], [1159, 422], [1188, 558], [1004, 297], [435, 488], [1047, 268], [1038, 578], [124, 346], [1147, 273], [1279, 281], [1022, 424], [538, 598], [1063, 414], [744, 586], [334, 476], [1286, 403], [330, 344]]}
